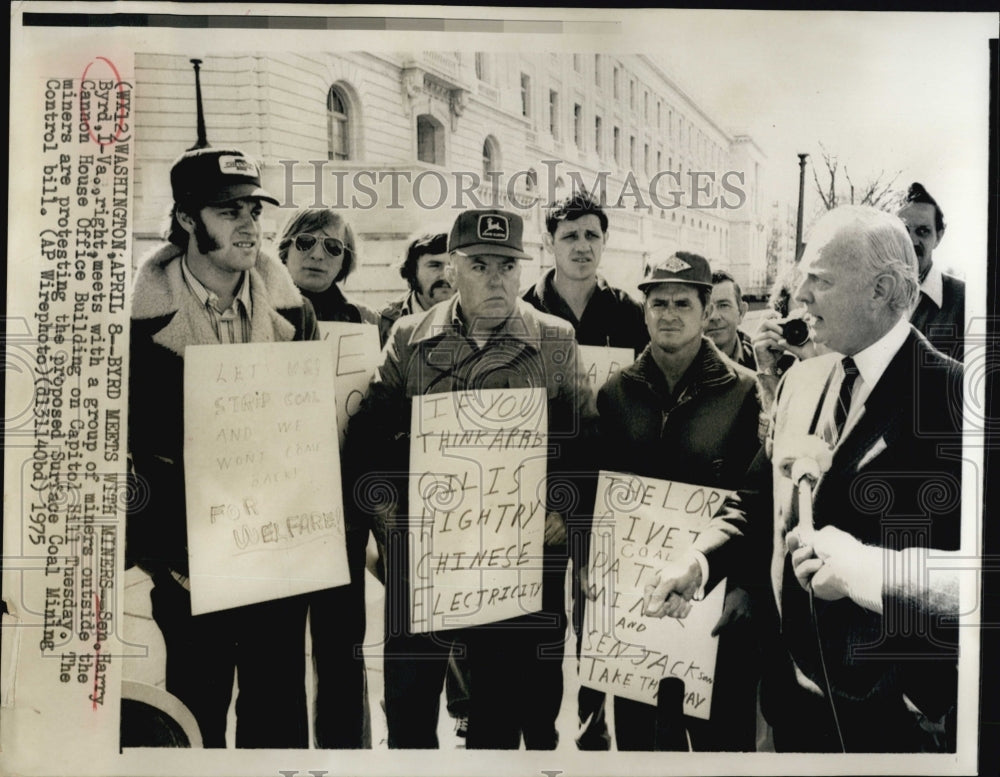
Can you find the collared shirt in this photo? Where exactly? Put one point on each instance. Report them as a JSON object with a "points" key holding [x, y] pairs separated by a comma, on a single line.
{"points": [[231, 325], [872, 363], [743, 351], [611, 317], [514, 326], [933, 286]]}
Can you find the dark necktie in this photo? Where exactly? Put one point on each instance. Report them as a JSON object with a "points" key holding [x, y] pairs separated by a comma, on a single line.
{"points": [[844, 398]]}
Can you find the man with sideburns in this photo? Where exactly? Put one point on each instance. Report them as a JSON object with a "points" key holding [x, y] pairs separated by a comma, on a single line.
{"points": [[211, 284]]}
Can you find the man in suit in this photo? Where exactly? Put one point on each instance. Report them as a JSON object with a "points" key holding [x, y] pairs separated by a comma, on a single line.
{"points": [[940, 311], [874, 430]]}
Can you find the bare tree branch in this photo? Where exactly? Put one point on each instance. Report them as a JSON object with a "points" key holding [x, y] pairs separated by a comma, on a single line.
{"points": [[877, 192]]}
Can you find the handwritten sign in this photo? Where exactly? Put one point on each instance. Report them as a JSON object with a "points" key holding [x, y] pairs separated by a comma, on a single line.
{"points": [[477, 506], [599, 362], [265, 514], [640, 523], [355, 356]]}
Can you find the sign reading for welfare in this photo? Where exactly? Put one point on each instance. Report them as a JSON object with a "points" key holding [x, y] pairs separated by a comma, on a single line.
{"points": [[639, 523], [265, 515], [477, 506], [600, 362], [356, 352]]}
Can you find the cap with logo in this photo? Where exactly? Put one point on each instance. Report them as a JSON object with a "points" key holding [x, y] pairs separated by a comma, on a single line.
{"points": [[208, 176], [488, 231], [681, 267]]}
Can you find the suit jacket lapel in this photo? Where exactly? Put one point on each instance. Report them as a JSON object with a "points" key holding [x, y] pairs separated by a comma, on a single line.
{"points": [[888, 408]]}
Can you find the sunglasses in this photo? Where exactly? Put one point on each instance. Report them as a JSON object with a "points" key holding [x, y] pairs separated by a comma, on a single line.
{"points": [[331, 245]]}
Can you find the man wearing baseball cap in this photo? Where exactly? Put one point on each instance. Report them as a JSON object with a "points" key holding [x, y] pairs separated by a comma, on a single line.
{"points": [[484, 337], [684, 412], [211, 284]]}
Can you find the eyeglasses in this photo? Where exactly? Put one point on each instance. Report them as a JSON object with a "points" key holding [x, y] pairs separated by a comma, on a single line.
{"points": [[331, 245]]}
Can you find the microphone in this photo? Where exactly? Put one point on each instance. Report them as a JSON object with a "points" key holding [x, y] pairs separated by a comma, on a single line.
{"points": [[804, 460]]}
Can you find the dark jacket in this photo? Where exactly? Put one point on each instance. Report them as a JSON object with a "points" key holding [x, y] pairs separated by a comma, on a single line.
{"points": [[429, 354], [705, 435], [895, 480], [611, 318], [406, 305], [332, 305], [745, 356], [944, 326], [165, 320]]}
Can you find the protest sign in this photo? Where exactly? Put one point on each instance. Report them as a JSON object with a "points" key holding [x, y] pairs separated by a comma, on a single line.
{"points": [[599, 362], [477, 506], [262, 473], [355, 356], [640, 523]]}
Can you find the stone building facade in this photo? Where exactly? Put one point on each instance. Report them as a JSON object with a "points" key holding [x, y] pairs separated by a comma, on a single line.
{"points": [[402, 140]]}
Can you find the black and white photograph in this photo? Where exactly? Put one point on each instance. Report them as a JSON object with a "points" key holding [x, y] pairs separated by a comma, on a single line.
{"points": [[392, 386]]}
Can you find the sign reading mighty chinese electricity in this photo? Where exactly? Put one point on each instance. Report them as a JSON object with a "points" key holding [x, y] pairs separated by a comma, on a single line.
{"points": [[477, 506]]}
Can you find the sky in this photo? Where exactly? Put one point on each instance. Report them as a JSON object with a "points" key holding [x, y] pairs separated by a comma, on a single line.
{"points": [[903, 93]]}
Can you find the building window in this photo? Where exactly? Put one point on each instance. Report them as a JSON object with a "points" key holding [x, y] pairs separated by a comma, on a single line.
{"points": [[659, 161], [578, 125], [659, 115], [480, 66], [631, 94], [598, 140], [491, 157], [645, 105], [337, 125], [430, 140], [554, 114], [645, 158], [578, 63], [616, 146], [525, 95], [615, 85], [597, 69], [631, 152]]}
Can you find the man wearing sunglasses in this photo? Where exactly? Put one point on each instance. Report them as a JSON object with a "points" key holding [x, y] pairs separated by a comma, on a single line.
{"points": [[484, 337], [318, 247], [211, 284]]}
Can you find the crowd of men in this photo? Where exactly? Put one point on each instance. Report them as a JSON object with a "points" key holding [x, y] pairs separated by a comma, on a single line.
{"points": [[819, 630]]}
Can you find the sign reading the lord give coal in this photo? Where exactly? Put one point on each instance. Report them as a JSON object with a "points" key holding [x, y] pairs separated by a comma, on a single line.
{"points": [[355, 357], [640, 523], [477, 506], [265, 515]]}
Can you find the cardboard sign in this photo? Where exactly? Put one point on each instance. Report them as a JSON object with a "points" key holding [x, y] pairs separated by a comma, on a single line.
{"points": [[477, 506], [640, 523], [356, 353], [265, 514], [599, 362]]}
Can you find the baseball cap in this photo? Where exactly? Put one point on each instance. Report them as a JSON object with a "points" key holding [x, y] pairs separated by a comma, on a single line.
{"points": [[207, 176], [488, 231], [680, 267]]}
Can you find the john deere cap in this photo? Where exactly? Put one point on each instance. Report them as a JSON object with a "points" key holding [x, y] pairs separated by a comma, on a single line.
{"points": [[680, 267], [488, 231], [208, 176]]}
